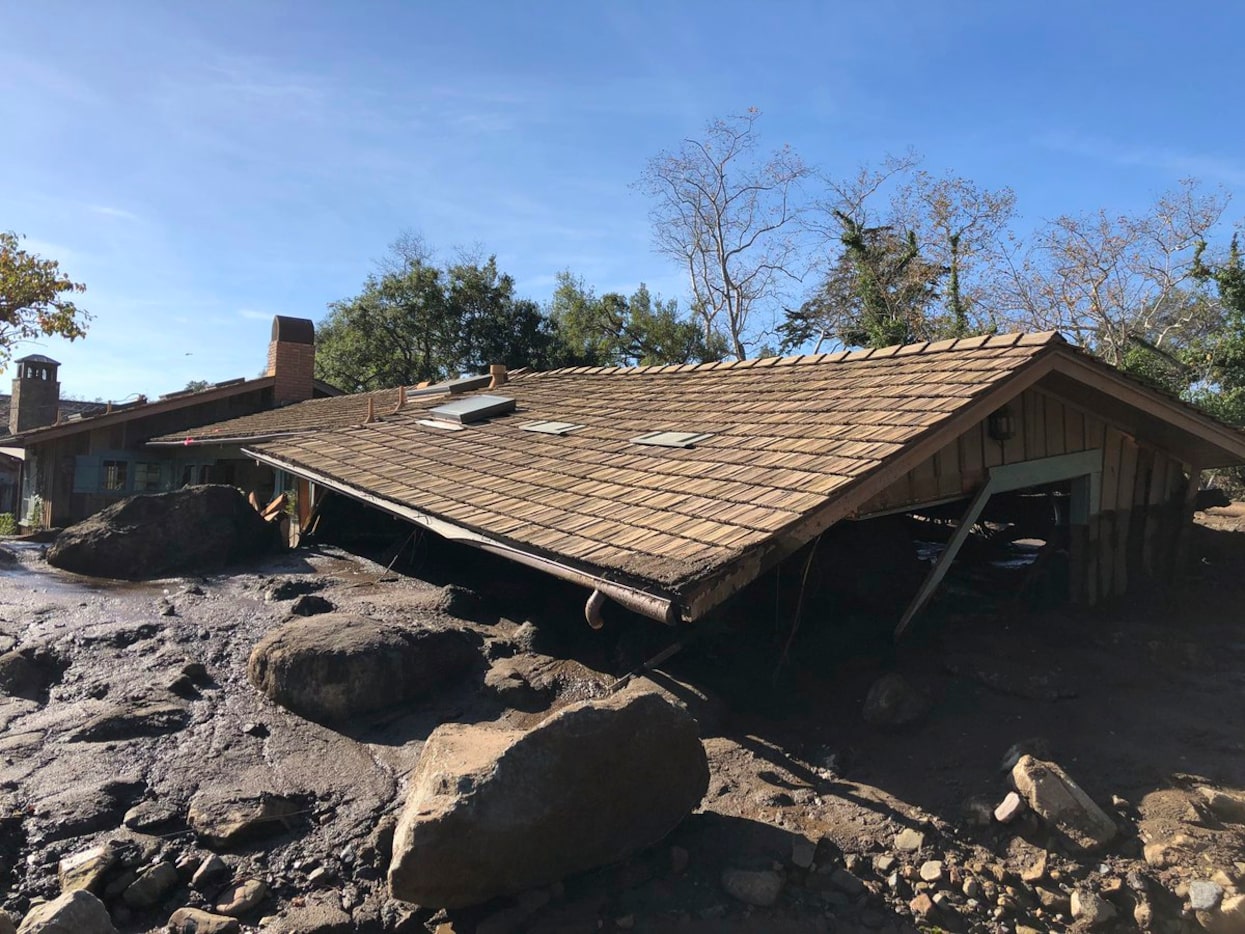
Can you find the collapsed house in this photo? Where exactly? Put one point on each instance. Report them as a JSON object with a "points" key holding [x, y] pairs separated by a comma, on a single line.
{"points": [[670, 488]]}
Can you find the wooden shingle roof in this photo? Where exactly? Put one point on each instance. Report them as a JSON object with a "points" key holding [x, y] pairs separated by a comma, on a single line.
{"points": [[787, 436]]}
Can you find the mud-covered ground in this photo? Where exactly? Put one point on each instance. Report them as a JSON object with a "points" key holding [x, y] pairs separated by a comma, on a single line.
{"points": [[1140, 703]]}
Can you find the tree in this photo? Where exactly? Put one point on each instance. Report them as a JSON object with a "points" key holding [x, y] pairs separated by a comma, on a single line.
{"points": [[961, 227], [34, 298], [1217, 357], [1113, 284], [614, 330], [196, 385], [908, 256], [394, 333], [729, 219], [879, 292], [415, 321]]}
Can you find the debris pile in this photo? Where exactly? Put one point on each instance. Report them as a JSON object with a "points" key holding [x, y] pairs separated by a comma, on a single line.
{"points": [[196, 529]]}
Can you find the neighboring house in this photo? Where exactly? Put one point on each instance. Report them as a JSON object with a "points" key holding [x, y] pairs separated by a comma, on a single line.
{"points": [[670, 488], [77, 462], [37, 374]]}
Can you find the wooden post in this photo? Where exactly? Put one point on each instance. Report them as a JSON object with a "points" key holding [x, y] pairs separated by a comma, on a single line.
{"points": [[1180, 562]]}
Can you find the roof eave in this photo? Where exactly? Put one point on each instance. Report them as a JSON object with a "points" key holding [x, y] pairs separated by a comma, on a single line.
{"points": [[650, 602]]}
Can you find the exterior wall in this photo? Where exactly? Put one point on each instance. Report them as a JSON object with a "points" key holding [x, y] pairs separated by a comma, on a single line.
{"points": [[81, 473], [1136, 532]]}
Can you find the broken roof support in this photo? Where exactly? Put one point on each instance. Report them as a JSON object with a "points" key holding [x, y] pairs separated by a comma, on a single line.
{"points": [[1004, 479], [657, 606]]}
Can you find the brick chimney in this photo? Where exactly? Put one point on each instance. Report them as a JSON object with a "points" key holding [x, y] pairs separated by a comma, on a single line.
{"points": [[292, 359], [36, 394]]}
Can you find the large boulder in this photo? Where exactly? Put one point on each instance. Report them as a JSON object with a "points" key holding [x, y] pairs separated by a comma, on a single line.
{"points": [[495, 812], [1062, 804], [194, 529], [76, 912], [333, 666]]}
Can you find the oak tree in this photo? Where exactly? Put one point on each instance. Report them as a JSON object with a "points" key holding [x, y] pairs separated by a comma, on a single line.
{"points": [[35, 297]]}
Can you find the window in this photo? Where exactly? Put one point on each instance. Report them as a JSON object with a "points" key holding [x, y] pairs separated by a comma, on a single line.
{"points": [[551, 428], [195, 474], [147, 477], [672, 439], [115, 475]]}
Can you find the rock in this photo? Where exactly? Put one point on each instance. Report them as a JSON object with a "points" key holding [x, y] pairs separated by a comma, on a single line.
{"points": [[311, 604], [760, 888], [332, 667], [1029, 860], [1053, 899], [211, 870], [594, 782], [196, 528], [802, 852], [197, 921], [241, 898], [6, 923], [86, 869], [909, 840], [531, 682], [892, 701], [122, 722], [291, 587], [1009, 808], [931, 870], [151, 885], [923, 907], [1229, 808], [223, 818], [29, 672], [150, 816], [76, 912], [1090, 909], [197, 673], [1204, 895], [1157, 854], [1061, 803]]}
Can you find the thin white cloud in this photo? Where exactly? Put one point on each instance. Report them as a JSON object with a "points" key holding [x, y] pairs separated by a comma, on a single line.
{"points": [[254, 314], [1205, 166], [108, 211]]}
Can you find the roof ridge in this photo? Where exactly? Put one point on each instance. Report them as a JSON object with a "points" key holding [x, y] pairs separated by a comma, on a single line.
{"points": [[918, 348]]}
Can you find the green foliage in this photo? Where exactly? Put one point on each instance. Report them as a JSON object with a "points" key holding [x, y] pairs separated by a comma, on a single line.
{"points": [[417, 322], [196, 385], [8, 524], [33, 298], [1218, 355], [614, 330], [34, 517], [881, 291]]}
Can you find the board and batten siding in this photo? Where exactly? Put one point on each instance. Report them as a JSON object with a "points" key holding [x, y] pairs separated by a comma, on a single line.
{"points": [[1142, 511]]}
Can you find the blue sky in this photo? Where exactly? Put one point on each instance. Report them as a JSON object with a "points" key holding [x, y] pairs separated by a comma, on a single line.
{"points": [[202, 167]]}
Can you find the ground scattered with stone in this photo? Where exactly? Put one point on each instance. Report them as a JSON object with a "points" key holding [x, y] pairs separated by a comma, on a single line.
{"points": [[1000, 770]]}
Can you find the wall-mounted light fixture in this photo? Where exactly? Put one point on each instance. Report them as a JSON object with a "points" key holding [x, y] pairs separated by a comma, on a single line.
{"points": [[1000, 425]]}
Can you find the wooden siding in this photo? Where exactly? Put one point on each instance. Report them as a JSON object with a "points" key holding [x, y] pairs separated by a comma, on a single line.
{"points": [[1131, 539]]}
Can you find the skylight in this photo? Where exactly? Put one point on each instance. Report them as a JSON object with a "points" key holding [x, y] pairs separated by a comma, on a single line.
{"points": [[472, 409], [672, 439], [551, 428]]}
